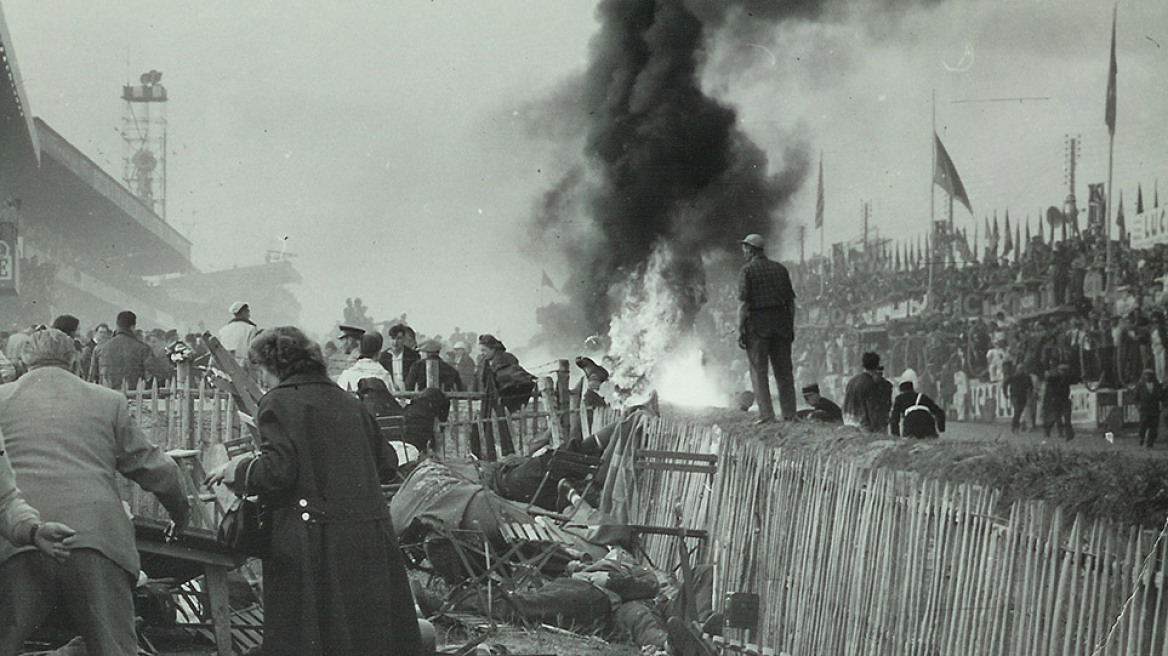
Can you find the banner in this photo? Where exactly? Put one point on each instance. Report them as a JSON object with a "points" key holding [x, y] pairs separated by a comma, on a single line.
{"points": [[988, 404], [1149, 228], [9, 260]]}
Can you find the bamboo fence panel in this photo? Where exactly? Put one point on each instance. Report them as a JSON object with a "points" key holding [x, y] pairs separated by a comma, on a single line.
{"points": [[851, 561]]}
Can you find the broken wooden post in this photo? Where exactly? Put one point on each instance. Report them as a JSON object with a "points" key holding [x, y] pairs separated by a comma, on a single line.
{"points": [[547, 391], [563, 373]]}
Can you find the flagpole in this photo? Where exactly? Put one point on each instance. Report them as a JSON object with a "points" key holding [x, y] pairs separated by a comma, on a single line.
{"points": [[1110, 287], [1110, 156], [822, 221], [932, 200], [823, 261]]}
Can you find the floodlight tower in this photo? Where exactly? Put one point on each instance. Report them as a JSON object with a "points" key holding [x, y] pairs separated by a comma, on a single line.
{"points": [[1074, 144], [144, 136]]}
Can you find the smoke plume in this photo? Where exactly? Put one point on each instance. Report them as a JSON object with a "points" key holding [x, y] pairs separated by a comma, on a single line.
{"points": [[666, 169]]}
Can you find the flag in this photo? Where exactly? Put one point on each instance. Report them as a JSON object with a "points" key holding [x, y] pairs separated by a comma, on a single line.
{"points": [[547, 282], [995, 236], [819, 195], [963, 247], [1009, 245], [1139, 199], [1119, 218], [1017, 241], [897, 258], [1041, 232], [1109, 114], [945, 174], [975, 251], [1027, 232]]}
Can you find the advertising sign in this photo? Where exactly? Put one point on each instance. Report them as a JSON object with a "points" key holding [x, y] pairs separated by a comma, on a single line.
{"points": [[9, 260]]}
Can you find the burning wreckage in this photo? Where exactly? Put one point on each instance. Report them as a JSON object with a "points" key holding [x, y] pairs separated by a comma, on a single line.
{"points": [[550, 539]]}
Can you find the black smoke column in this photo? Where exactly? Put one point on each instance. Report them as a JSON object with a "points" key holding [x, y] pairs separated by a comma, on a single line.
{"points": [[666, 168]]}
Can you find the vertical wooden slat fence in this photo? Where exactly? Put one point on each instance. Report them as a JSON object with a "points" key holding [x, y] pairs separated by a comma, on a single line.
{"points": [[848, 560], [193, 417]]}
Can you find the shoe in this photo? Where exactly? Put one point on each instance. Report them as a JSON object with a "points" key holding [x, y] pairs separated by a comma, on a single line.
{"points": [[764, 420]]}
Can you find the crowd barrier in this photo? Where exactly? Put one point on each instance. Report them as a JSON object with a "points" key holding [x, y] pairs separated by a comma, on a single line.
{"points": [[849, 560]]}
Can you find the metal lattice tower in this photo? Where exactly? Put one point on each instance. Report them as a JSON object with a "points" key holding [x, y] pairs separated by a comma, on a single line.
{"points": [[144, 136], [1074, 145]]}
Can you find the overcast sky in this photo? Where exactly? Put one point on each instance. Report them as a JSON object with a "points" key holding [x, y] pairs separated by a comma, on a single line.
{"points": [[389, 143]]}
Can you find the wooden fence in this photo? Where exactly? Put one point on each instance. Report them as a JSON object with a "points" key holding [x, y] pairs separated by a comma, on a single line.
{"points": [[848, 560], [198, 416]]}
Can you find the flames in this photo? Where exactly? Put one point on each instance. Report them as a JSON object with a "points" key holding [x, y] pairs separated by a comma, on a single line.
{"points": [[653, 346]]}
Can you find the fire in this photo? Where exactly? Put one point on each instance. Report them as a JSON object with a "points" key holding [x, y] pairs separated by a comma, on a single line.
{"points": [[652, 341], [682, 379]]}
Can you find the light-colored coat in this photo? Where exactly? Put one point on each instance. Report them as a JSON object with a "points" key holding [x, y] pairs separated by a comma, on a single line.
{"points": [[67, 439], [16, 516]]}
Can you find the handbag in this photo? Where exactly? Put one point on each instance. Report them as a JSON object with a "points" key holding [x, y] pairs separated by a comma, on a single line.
{"points": [[246, 527]]}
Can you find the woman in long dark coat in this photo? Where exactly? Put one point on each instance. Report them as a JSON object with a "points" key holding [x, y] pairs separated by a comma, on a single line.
{"points": [[334, 580]]}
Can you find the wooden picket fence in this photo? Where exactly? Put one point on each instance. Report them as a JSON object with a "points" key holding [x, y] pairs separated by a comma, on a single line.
{"points": [[529, 427], [848, 560], [198, 416], [192, 416]]}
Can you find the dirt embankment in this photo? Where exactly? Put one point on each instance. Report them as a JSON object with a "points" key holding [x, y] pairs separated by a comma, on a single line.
{"points": [[1116, 480]]}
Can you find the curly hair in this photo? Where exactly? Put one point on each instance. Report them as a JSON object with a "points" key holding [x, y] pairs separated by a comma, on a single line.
{"points": [[286, 350]]}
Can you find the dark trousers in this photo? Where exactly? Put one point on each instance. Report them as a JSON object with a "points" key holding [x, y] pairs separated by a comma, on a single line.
{"points": [[95, 591], [777, 352], [1061, 417], [1149, 428], [1019, 403]]}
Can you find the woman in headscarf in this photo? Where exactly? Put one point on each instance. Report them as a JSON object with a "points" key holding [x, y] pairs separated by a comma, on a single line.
{"points": [[334, 579], [506, 388]]}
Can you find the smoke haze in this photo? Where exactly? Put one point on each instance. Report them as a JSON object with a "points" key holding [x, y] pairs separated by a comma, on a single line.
{"points": [[665, 167]]}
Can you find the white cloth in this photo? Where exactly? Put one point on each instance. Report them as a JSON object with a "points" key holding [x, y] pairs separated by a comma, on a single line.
{"points": [[995, 358], [399, 375], [236, 337], [1158, 354], [363, 368]]}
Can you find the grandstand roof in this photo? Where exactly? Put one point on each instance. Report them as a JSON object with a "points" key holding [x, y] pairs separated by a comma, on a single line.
{"points": [[70, 201], [14, 112]]}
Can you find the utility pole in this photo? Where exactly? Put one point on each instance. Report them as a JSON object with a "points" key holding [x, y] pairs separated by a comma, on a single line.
{"points": [[865, 211], [802, 238]]}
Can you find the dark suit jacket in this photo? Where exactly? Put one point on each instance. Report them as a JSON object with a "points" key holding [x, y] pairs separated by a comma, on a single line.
{"points": [[120, 359], [867, 402], [448, 378], [1150, 402], [409, 357]]}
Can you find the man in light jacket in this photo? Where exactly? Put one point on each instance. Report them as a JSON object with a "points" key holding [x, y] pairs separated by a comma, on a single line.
{"points": [[21, 524], [67, 439]]}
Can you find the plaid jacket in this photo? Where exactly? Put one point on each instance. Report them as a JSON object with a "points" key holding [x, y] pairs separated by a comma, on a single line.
{"points": [[764, 283]]}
